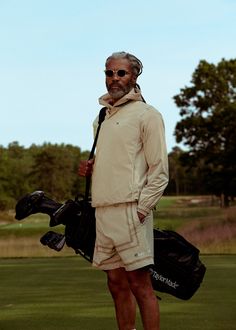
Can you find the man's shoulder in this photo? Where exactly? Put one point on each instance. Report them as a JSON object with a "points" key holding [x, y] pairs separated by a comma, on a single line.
{"points": [[147, 110], [140, 105]]}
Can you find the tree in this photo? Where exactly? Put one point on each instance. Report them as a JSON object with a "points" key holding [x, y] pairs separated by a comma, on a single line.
{"points": [[15, 170], [208, 125], [176, 172], [54, 170], [183, 180]]}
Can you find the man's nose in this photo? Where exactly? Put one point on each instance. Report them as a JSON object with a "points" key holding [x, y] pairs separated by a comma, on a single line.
{"points": [[115, 76]]}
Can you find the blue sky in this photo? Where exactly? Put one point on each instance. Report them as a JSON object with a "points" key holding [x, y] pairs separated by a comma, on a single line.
{"points": [[52, 55]]}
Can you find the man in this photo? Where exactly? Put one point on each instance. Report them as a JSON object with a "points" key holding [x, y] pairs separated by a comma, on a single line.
{"points": [[129, 175]]}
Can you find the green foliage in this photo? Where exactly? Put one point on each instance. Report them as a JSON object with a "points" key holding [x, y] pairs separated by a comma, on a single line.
{"points": [[52, 171], [182, 180], [52, 168], [6, 202], [208, 125], [14, 168]]}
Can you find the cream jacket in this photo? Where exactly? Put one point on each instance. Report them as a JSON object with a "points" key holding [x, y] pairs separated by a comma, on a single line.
{"points": [[131, 161]]}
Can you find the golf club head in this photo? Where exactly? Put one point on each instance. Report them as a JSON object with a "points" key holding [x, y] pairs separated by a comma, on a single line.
{"points": [[53, 240], [28, 204]]}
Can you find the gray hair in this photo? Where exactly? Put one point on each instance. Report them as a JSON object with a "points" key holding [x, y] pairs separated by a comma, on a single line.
{"points": [[136, 64]]}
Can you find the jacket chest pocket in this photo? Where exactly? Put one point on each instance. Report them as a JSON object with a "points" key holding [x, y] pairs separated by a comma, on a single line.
{"points": [[129, 133]]}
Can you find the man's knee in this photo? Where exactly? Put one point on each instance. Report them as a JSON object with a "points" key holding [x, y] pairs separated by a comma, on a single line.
{"points": [[117, 281], [140, 282]]}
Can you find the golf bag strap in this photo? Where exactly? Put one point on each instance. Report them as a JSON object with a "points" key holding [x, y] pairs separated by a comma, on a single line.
{"points": [[101, 118]]}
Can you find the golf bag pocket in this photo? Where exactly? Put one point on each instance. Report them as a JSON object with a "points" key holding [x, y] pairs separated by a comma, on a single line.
{"points": [[80, 229]]}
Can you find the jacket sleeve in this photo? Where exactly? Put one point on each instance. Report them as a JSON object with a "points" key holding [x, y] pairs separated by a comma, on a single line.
{"points": [[155, 152]]}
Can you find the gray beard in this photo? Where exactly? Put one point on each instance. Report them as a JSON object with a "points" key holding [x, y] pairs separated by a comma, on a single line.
{"points": [[117, 94]]}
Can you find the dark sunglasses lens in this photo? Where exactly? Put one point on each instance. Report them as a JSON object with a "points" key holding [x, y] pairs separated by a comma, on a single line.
{"points": [[121, 73], [109, 73]]}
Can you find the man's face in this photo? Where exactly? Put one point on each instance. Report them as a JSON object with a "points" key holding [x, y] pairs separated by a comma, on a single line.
{"points": [[117, 85]]}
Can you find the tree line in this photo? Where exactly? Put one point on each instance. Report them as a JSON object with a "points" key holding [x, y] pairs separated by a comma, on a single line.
{"points": [[207, 129], [49, 167]]}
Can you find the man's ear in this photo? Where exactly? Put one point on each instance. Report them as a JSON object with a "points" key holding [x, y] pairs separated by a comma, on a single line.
{"points": [[134, 80]]}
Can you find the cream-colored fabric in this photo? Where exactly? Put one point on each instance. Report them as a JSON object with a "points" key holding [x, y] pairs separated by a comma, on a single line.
{"points": [[131, 158], [121, 239]]}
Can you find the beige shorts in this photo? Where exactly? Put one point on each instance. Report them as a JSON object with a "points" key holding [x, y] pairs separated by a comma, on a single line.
{"points": [[121, 239]]}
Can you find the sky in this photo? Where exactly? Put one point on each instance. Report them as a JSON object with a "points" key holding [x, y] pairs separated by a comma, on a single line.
{"points": [[52, 55]]}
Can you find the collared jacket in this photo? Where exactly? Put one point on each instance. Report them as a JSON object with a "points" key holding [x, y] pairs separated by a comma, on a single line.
{"points": [[131, 163]]}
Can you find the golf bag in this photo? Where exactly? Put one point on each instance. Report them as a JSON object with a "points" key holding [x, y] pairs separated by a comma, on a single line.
{"points": [[177, 269]]}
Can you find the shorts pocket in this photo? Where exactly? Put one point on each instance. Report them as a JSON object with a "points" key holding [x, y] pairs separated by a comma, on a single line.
{"points": [[137, 221]]}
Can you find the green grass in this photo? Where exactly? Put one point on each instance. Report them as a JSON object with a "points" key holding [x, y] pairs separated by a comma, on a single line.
{"points": [[67, 293], [53, 293], [34, 225], [22, 238], [64, 292]]}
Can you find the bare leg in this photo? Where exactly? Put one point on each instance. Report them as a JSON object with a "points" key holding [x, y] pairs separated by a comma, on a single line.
{"points": [[141, 286], [124, 300]]}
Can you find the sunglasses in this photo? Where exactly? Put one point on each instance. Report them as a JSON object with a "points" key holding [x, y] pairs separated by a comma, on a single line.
{"points": [[120, 73]]}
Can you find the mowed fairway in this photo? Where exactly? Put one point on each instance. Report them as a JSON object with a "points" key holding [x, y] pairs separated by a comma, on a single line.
{"points": [[64, 293]]}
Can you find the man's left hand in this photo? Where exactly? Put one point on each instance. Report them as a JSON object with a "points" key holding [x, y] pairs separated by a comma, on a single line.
{"points": [[141, 217]]}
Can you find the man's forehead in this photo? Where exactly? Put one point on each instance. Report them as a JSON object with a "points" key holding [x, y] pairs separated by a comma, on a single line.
{"points": [[118, 63]]}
